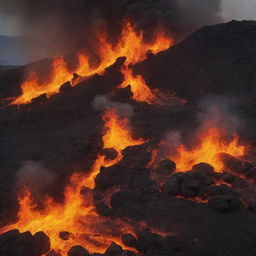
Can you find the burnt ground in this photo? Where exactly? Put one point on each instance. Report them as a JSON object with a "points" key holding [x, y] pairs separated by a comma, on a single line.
{"points": [[63, 134]]}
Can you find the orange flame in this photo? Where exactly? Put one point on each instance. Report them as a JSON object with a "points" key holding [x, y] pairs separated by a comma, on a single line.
{"points": [[211, 143], [117, 136], [131, 45], [139, 88], [77, 215]]}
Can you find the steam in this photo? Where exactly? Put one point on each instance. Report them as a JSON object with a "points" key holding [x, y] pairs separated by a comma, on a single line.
{"points": [[36, 177], [101, 103], [53, 27], [219, 112]]}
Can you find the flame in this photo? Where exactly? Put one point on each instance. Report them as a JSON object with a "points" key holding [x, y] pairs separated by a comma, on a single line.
{"points": [[117, 136], [139, 88], [77, 214], [211, 143], [130, 44]]}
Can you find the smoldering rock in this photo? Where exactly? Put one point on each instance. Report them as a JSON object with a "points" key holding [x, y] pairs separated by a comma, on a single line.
{"points": [[64, 235], [109, 153], [114, 250], [129, 240], [150, 244], [128, 253], [19, 244], [233, 164], [227, 177], [136, 156], [190, 186], [42, 243], [172, 185], [116, 175], [103, 209], [40, 99], [225, 203], [53, 253], [126, 204], [203, 168], [122, 94], [166, 168], [223, 198], [141, 182], [78, 251], [66, 87]]}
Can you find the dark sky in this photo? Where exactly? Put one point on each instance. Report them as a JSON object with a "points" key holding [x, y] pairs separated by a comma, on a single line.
{"points": [[231, 9]]}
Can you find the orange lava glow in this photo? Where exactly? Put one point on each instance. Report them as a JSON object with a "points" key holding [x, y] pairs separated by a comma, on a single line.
{"points": [[141, 92], [210, 144], [77, 214], [130, 44], [118, 136]]}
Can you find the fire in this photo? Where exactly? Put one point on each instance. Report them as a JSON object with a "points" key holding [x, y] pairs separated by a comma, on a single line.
{"points": [[131, 45], [211, 143], [77, 214], [117, 136], [141, 92]]}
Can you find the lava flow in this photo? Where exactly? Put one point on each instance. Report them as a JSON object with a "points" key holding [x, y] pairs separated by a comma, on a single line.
{"points": [[209, 144], [130, 44], [77, 215]]}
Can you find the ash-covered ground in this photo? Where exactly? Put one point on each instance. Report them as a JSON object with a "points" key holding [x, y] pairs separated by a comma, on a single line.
{"points": [[202, 212]]}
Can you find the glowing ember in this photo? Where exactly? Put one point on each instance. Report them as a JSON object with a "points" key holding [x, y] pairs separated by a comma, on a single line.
{"points": [[131, 45], [77, 215], [210, 144]]}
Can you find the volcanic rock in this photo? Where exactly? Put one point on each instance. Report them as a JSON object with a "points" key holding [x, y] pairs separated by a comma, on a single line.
{"points": [[190, 186], [166, 168], [114, 250], [78, 251], [40, 99], [122, 94], [66, 87], [109, 153], [64, 235], [235, 165], [203, 168], [117, 175], [129, 240], [172, 185], [224, 203], [150, 244], [42, 243], [103, 209], [19, 244], [136, 156]]}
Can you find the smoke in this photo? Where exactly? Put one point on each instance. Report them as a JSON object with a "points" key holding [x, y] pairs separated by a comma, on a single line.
{"points": [[35, 177], [101, 103], [53, 27], [219, 112]]}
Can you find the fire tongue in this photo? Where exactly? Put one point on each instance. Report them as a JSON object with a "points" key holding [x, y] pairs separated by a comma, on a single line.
{"points": [[210, 143], [131, 45], [76, 217]]}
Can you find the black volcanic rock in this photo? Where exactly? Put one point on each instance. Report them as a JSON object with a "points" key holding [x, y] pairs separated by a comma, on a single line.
{"points": [[19, 244], [215, 60], [78, 251]]}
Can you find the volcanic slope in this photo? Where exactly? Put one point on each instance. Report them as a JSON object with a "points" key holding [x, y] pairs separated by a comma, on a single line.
{"points": [[204, 213]]}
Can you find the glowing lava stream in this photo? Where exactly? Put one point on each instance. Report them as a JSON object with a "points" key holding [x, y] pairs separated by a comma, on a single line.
{"points": [[77, 214], [210, 144], [131, 45]]}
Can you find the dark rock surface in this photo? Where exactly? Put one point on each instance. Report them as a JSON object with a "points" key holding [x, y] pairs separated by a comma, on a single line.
{"points": [[206, 213]]}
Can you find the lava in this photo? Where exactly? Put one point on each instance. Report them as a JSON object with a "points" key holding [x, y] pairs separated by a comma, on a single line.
{"points": [[140, 90], [130, 44], [77, 215], [209, 144]]}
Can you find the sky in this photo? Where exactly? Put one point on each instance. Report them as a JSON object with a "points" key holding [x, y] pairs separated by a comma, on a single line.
{"points": [[231, 9]]}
